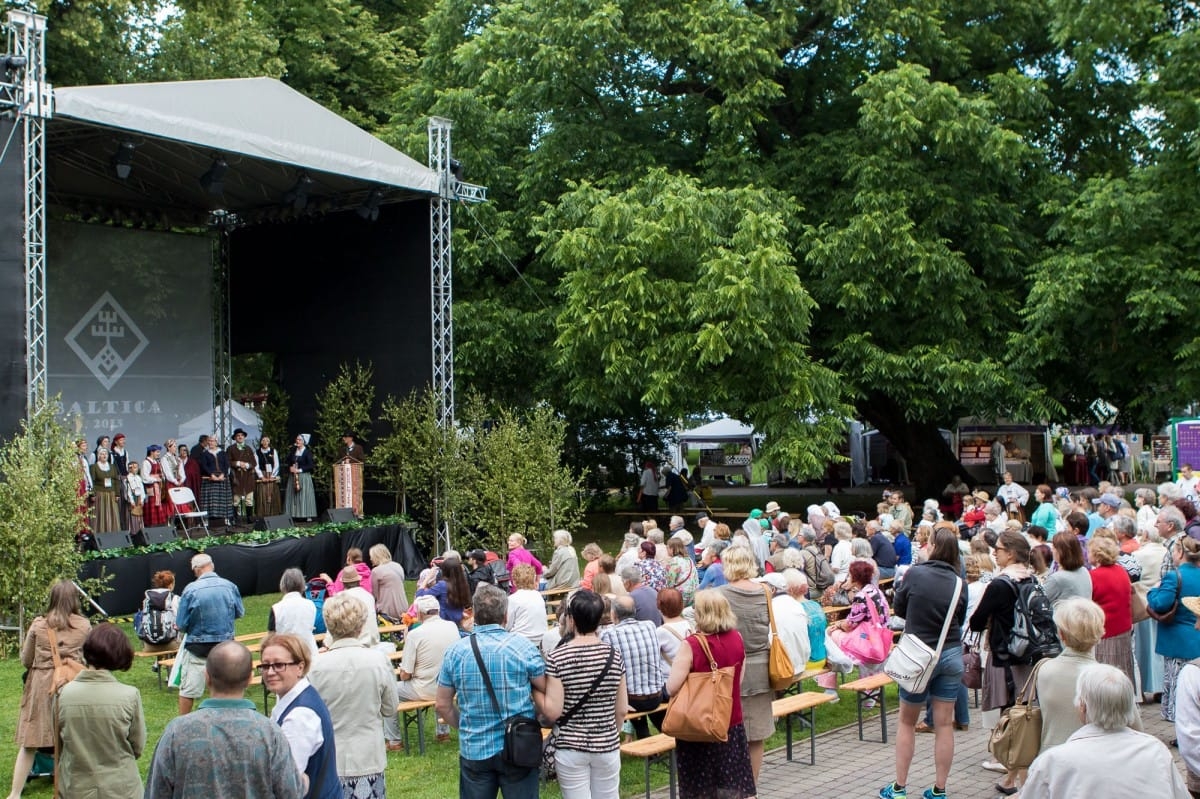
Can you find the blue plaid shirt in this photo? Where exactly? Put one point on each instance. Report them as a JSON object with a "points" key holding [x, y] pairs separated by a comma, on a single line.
{"points": [[511, 662]]}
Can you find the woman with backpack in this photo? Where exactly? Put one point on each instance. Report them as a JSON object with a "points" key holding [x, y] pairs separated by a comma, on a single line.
{"points": [[996, 614], [155, 622]]}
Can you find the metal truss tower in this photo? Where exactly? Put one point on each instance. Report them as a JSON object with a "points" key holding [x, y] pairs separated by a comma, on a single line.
{"points": [[25, 93], [450, 189]]}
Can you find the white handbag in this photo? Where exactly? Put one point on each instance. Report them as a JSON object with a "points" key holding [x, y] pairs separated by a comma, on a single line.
{"points": [[911, 662]]}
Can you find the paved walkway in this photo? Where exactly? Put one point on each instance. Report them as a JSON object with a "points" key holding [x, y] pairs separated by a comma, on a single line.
{"points": [[847, 767]]}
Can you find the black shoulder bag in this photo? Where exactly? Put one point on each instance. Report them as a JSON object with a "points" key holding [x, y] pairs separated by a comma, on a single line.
{"points": [[522, 734]]}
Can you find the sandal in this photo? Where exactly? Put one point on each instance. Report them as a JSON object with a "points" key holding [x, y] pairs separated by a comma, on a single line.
{"points": [[1006, 791], [923, 727]]}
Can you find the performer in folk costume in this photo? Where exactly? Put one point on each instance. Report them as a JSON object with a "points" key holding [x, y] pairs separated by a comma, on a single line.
{"points": [[215, 495], [158, 510], [103, 442], [135, 496], [266, 473], [352, 449], [242, 465], [191, 470], [351, 452], [301, 499], [120, 460], [118, 455], [173, 473], [106, 487]]}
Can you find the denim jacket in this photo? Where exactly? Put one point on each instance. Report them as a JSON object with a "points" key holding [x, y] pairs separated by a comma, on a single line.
{"points": [[207, 609]]}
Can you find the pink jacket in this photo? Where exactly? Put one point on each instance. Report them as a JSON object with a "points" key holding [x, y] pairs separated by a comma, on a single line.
{"points": [[522, 555], [364, 571]]}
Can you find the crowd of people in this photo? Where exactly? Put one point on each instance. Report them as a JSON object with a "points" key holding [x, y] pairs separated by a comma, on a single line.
{"points": [[235, 484], [1122, 577]]}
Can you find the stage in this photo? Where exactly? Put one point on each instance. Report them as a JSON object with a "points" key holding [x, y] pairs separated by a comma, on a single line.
{"points": [[253, 568]]}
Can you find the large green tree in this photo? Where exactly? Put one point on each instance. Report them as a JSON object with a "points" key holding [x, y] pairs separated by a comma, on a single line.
{"points": [[911, 156]]}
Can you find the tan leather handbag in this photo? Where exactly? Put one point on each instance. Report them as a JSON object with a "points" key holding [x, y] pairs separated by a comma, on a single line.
{"points": [[701, 710]]}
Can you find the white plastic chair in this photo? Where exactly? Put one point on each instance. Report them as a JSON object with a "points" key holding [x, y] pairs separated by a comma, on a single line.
{"points": [[182, 497]]}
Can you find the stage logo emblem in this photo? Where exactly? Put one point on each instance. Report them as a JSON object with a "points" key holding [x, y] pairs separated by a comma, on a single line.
{"points": [[107, 340]]}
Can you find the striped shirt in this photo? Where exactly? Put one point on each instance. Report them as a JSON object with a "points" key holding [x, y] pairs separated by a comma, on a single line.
{"points": [[592, 726]]}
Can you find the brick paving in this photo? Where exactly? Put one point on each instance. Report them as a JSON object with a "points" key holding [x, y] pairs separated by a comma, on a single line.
{"points": [[847, 767]]}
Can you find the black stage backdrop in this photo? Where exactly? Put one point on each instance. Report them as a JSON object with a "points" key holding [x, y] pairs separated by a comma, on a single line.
{"points": [[320, 294], [12, 279], [255, 569]]}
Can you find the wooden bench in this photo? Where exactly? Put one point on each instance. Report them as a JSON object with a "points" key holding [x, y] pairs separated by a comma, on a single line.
{"points": [[870, 688], [807, 674], [409, 711], [802, 706], [653, 750]]}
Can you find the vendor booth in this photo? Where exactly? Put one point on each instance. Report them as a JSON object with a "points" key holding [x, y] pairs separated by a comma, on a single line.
{"points": [[726, 446], [1028, 450]]}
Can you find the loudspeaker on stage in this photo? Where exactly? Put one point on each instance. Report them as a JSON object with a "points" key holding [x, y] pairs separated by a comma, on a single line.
{"points": [[150, 536], [118, 540], [274, 523]]}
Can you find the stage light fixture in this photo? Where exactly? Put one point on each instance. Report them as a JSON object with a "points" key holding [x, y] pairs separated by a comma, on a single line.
{"points": [[369, 210], [456, 169], [12, 63], [213, 180], [122, 159]]}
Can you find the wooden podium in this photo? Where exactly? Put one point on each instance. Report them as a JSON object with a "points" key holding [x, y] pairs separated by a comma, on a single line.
{"points": [[348, 485]]}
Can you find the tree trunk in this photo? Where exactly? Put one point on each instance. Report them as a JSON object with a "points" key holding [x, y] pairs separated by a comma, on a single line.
{"points": [[931, 462]]}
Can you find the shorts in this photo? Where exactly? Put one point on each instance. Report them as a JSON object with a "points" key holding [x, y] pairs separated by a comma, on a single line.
{"points": [[191, 675], [943, 685]]}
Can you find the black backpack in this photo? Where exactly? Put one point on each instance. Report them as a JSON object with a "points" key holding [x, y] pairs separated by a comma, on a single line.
{"points": [[156, 621], [1034, 635]]}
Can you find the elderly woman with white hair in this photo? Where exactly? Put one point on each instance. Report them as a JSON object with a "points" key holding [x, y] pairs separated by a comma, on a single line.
{"points": [[843, 552], [997, 519], [1143, 500], [359, 688], [1106, 756], [1080, 624], [563, 569]]}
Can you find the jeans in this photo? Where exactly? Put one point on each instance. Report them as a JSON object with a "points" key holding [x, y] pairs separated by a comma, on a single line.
{"points": [[962, 707], [483, 779], [588, 775], [946, 682]]}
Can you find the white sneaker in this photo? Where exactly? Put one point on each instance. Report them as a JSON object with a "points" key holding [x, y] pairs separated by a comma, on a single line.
{"points": [[993, 765], [834, 694]]}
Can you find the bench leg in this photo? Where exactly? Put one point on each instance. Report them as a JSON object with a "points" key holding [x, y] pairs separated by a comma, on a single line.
{"points": [[647, 761], [858, 701], [420, 716], [882, 714], [404, 730], [788, 727], [674, 766], [811, 723]]}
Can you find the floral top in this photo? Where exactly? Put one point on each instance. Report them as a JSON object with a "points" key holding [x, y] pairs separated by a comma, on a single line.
{"points": [[654, 574], [683, 576], [858, 606]]}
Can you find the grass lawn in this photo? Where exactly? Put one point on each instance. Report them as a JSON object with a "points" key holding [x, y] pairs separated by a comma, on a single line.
{"points": [[434, 776]]}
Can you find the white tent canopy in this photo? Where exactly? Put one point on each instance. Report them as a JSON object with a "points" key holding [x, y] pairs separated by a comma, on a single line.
{"points": [[239, 416], [256, 117], [718, 431]]}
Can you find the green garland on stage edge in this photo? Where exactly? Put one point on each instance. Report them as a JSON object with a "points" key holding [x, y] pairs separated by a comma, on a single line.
{"points": [[252, 537]]}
